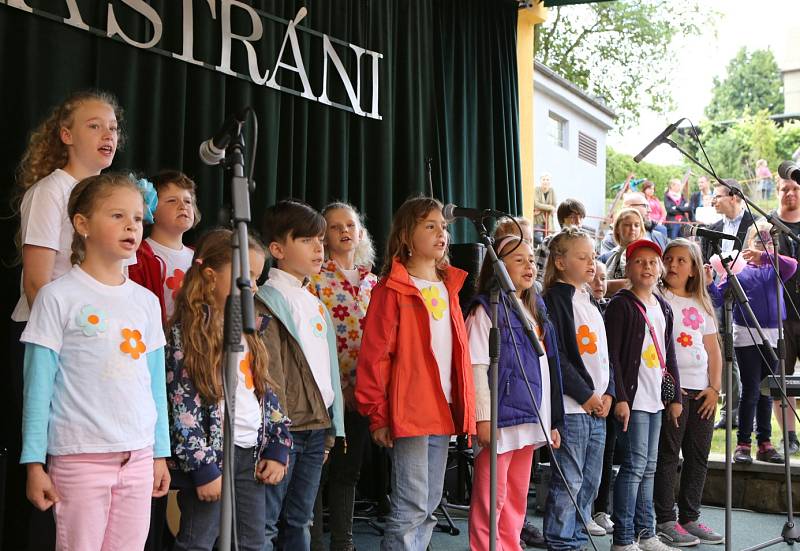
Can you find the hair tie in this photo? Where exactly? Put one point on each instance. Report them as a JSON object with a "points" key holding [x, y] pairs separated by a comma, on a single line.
{"points": [[505, 240], [150, 198], [198, 261]]}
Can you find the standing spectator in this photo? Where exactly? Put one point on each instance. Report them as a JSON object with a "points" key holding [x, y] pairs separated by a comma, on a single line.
{"points": [[735, 221], [677, 208], [571, 212], [543, 207], [701, 197], [657, 212], [764, 177], [788, 212]]}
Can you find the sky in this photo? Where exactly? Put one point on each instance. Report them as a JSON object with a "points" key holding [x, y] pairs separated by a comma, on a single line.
{"points": [[761, 24]]}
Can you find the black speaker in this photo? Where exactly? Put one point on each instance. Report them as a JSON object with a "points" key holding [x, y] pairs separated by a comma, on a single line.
{"points": [[467, 257]]}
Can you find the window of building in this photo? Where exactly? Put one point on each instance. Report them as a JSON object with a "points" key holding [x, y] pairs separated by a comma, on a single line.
{"points": [[587, 148], [557, 130]]}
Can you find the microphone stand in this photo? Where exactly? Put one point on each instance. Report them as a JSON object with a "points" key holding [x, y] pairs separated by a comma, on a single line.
{"points": [[790, 533], [239, 316], [503, 290]]}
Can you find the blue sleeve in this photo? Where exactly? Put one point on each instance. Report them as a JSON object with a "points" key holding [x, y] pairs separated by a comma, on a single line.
{"points": [[41, 366], [276, 440], [158, 386]]}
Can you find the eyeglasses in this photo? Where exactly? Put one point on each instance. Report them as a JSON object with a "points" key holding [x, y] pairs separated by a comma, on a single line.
{"points": [[716, 197]]}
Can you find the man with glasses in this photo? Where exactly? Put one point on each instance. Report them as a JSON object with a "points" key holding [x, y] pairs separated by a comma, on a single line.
{"points": [[735, 221], [656, 233], [788, 212]]}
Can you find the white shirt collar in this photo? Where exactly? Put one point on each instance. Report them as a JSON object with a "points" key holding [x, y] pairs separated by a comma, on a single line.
{"points": [[279, 276], [736, 219]]}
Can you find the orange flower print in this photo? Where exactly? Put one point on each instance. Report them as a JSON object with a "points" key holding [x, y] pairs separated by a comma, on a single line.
{"points": [[650, 356], [175, 282], [246, 370], [434, 302], [685, 340], [587, 340], [132, 343]]}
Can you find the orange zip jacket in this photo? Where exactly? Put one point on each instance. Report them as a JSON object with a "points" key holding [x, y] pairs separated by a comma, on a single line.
{"points": [[397, 378]]}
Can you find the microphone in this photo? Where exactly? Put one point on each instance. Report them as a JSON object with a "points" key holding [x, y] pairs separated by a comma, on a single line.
{"points": [[451, 212], [658, 141], [212, 151], [697, 231], [789, 171]]}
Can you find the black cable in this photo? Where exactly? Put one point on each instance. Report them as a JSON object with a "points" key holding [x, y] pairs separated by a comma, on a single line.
{"points": [[553, 459]]}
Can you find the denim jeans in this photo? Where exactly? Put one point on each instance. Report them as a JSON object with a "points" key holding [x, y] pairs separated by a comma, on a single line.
{"points": [[633, 487], [290, 504], [580, 457], [199, 526], [418, 468]]}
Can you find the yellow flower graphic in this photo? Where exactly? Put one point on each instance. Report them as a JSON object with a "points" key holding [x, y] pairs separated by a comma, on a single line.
{"points": [[650, 356], [434, 302]]}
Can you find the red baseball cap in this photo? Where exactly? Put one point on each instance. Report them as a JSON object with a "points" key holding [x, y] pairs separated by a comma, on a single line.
{"points": [[642, 243]]}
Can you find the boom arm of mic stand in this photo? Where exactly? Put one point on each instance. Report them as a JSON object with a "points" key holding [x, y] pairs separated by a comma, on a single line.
{"points": [[774, 220]]}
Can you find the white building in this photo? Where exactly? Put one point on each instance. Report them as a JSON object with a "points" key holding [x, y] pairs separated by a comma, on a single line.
{"points": [[570, 140]]}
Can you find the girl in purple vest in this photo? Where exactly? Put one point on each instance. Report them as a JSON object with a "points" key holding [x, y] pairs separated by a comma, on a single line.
{"points": [[521, 427]]}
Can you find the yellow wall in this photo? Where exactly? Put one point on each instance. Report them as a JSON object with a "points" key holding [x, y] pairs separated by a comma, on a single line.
{"points": [[528, 17]]}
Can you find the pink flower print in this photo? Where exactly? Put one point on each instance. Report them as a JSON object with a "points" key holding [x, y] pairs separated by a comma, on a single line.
{"points": [[187, 420], [692, 318], [199, 455], [340, 311]]}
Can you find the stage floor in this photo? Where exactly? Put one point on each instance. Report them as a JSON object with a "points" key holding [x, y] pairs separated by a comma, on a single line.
{"points": [[748, 529]]}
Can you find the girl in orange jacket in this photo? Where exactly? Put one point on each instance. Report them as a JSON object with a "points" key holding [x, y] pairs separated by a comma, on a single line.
{"points": [[414, 375]]}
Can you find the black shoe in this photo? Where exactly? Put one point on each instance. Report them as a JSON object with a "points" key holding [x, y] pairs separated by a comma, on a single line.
{"points": [[792, 448], [532, 536], [767, 452], [742, 454]]}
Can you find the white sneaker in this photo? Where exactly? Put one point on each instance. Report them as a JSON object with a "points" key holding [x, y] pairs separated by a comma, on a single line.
{"points": [[604, 520], [594, 528], [654, 544], [630, 547]]}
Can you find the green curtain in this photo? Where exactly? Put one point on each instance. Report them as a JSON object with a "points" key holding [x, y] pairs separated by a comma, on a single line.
{"points": [[448, 91]]}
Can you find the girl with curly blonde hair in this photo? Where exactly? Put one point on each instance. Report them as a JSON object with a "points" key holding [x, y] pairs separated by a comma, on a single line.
{"points": [[78, 139]]}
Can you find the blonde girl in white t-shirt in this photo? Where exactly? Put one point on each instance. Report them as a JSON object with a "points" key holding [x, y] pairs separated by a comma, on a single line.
{"points": [[697, 350], [95, 434], [77, 140]]}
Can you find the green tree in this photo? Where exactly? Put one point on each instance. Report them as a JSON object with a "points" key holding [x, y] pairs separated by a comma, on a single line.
{"points": [[620, 51], [752, 84], [619, 165]]}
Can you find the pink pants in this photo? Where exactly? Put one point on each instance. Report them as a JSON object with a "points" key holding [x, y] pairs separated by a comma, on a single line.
{"points": [[105, 500], [513, 479]]}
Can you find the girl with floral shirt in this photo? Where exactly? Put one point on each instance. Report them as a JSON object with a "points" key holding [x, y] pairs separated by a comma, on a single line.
{"points": [[344, 285], [194, 386]]}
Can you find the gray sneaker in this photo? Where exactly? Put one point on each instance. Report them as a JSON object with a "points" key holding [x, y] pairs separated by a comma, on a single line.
{"points": [[703, 532], [604, 520], [630, 547], [654, 544], [673, 534]]}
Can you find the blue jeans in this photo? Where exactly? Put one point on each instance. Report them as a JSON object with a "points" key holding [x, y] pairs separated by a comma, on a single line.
{"points": [[580, 457], [418, 467], [291, 503], [633, 488], [199, 526]]}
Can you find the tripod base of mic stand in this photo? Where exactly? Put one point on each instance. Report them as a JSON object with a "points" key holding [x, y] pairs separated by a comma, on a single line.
{"points": [[789, 535]]}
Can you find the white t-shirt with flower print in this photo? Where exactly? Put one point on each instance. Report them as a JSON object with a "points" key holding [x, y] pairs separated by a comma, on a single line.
{"points": [[437, 301], [691, 324], [102, 398]]}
